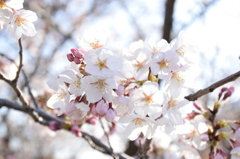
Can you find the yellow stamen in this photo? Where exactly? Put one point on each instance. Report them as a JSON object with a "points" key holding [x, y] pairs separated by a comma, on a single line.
{"points": [[181, 50], [164, 64], [20, 21]]}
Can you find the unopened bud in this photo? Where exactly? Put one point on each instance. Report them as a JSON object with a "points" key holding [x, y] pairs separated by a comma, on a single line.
{"points": [[76, 60], [197, 106], [92, 120], [102, 107], [53, 125], [70, 57], [76, 130], [229, 93], [78, 53], [110, 115], [191, 115], [221, 92], [120, 90]]}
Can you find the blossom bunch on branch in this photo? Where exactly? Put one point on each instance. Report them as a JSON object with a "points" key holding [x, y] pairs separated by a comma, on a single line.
{"points": [[125, 86]]}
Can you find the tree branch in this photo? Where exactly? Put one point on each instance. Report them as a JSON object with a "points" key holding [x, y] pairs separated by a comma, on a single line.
{"points": [[20, 62], [211, 88], [168, 20], [46, 119]]}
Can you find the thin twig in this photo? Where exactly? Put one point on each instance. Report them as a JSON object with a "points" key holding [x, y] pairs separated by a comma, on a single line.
{"points": [[46, 118], [20, 62], [26, 80], [106, 134], [211, 88]]}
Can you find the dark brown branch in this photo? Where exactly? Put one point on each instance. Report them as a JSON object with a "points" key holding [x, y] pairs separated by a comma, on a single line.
{"points": [[46, 118], [168, 20], [211, 88], [20, 62]]}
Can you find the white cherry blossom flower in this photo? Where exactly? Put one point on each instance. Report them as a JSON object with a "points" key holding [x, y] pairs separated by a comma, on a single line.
{"points": [[11, 4], [171, 108], [163, 63], [21, 23], [123, 106], [154, 48], [93, 38], [102, 62], [137, 124], [77, 111], [60, 98], [97, 87], [140, 64], [147, 99], [193, 133], [183, 48], [235, 153], [73, 77]]}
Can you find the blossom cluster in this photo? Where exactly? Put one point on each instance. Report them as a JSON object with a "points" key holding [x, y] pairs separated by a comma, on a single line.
{"points": [[17, 20], [125, 87]]}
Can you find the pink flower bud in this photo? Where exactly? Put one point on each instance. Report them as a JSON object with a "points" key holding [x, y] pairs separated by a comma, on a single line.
{"points": [[76, 60], [110, 115], [229, 93], [53, 125], [70, 57], [197, 106], [120, 90], [101, 108], [78, 53], [92, 120], [76, 130], [191, 115], [221, 92]]}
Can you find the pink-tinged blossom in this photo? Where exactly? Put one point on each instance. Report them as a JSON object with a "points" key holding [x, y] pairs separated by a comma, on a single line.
{"points": [[102, 62], [123, 106], [110, 115], [235, 153], [60, 98], [97, 88], [193, 132], [147, 99], [92, 39], [163, 63], [183, 48], [171, 108], [136, 125], [73, 77], [153, 48], [77, 111], [21, 23], [140, 64], [189, 152]]}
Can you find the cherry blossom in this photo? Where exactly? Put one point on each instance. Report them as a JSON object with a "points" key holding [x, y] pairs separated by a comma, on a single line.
{"points": [[163, 63], [93, 38], [137, 125], [21, 23]]}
